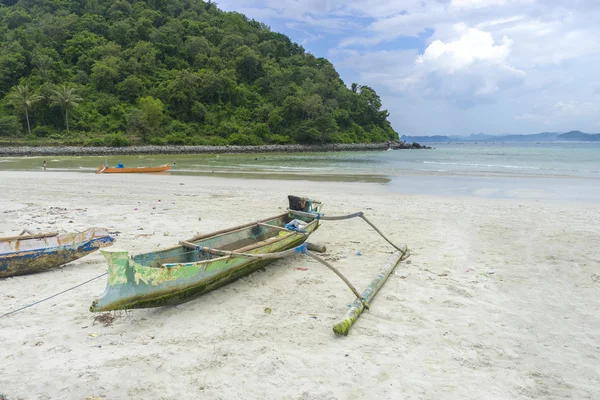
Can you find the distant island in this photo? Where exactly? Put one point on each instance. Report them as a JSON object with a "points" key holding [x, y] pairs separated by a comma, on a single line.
{"points": [[572, 136]]}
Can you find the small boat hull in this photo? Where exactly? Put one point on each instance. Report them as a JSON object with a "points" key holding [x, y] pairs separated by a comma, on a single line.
{"points": [[135, 282], [31, 255], [134, 170]]}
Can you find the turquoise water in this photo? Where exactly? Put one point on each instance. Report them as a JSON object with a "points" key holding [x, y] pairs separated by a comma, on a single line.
{"points": [[502, 159], [507, 159], [546, 170], [565, 160]]}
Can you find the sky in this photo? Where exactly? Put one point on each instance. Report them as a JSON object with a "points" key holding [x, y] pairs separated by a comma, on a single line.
{"points": [[456, 67]]}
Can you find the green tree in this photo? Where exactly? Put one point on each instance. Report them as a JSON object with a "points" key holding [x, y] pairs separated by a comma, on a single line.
{"points": [[67, 99], [9, 126], [130, 88], [248, 64], [148, 117], [105, 73], [154, 110], [22, 97], [43, 61]]}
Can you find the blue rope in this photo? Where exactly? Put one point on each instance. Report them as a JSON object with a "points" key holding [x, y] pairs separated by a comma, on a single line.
{"points": [[301, 249]]}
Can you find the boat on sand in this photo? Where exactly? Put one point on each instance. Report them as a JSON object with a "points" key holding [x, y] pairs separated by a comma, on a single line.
{"points": [[206, 262], [26, 254], [180, 273], [120, 169]]}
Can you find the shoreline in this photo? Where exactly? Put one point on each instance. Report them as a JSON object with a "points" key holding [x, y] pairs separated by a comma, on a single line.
{"points": [[33, 151]]}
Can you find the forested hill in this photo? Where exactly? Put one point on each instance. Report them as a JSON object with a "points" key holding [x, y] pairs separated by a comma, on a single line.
{"points": [[169, 72]]}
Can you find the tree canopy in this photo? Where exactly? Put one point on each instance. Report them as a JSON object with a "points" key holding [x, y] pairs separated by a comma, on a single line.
{"points": [[169, 72]]}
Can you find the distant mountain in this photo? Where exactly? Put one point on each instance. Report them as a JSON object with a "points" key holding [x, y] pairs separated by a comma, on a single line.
{"points": [[537, 137], [428, 139], [573, 136], [477, 137], [579, 136]]}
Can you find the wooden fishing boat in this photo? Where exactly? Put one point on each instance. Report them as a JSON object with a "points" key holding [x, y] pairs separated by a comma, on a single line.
{"points": [[103, 169], [26, 254], [180, 273]]}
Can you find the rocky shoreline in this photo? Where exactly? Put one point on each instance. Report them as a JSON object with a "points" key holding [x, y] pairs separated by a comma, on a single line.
{"points": [[31, 151]]}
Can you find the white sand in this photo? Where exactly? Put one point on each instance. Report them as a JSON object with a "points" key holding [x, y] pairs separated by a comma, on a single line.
{"points": [[500, 300]]}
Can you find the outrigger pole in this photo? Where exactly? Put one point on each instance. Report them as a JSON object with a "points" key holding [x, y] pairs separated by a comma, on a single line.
{"points": [[362, 302]]}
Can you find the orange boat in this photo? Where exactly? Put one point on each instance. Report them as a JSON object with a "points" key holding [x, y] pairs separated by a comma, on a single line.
{"points": [[120, 169]]}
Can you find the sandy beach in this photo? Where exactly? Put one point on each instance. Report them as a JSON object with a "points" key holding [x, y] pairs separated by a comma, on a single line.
{"points": [[499, 300]]}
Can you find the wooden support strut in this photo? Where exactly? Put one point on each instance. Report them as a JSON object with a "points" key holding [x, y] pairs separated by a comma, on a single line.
{"points": [[218, 252], [247, 225], [279, 228], [26, 237]]}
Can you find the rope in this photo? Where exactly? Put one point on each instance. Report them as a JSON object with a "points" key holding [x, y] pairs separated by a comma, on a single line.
{"points": [[54, 295]]}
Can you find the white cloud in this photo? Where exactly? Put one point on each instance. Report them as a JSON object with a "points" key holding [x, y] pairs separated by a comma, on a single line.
{"points": [[467, 69], [472, 47]]}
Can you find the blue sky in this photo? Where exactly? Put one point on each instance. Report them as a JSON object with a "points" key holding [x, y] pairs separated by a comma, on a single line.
{"points": [[455, 67]]}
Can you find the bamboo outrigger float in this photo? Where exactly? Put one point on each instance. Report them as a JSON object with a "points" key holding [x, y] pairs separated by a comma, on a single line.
{"points": [[356, 308], [26, 254]]}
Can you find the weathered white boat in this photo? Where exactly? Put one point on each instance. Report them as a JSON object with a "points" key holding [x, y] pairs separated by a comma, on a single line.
{"points": [[26, 254]]}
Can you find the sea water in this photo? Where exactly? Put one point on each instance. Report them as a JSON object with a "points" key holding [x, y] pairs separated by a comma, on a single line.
{"points": [[566, 170]]}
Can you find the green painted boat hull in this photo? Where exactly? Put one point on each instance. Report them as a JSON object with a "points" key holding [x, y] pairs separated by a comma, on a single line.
{"points": [[176, 275]]}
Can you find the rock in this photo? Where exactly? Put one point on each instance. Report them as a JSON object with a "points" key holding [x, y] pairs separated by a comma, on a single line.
{"points": [[11, 151]]}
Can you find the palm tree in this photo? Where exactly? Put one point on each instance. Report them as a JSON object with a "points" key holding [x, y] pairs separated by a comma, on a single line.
{"points": [[67, 99], [22, 96]]}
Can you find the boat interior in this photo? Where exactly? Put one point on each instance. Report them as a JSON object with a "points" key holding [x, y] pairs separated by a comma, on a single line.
{"points": [[242, 239]]}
